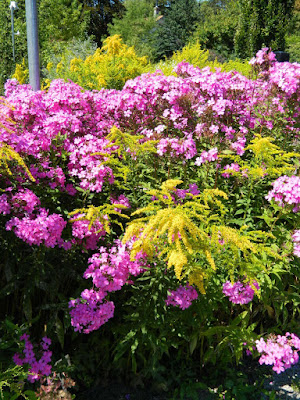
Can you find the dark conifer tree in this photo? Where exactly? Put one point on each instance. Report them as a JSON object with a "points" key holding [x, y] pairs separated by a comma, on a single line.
{"points": [[263, 23], [176, 26]]}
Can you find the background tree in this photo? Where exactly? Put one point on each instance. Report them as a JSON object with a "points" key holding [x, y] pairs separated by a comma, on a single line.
{"points": [[217, 26], [137, 26], [176, 27], [60, 22], [262, 23], [7, 65], [293, 37], [101, 13]]}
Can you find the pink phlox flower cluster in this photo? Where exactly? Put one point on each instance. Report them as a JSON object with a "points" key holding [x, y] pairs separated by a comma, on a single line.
{"points": [[86, 162], [263, 58], [87, 236], [230, 169], [38, 229], [182, 297], [239, 146], [238, 292], [122, 199], [37, 368], [279, 351], [177, 147], [25, 201], [176, 110], [54, 176], [296, 240], [89, 314], [5, 206], [185, 193], [207, 156], [110, 271], [286, 190]]}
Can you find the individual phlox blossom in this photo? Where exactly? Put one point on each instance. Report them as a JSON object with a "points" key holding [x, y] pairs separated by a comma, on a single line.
{"points": [[37, 368], [207, 156], [87, 235], [238, 292], [230, 169], [296, 240], [286, 190], [25, 200], [122, 199], [5, 206], [89, 314], [180, 194], [182, 297], [279, 351], [239, 146], [40, 229], [70, 189]]}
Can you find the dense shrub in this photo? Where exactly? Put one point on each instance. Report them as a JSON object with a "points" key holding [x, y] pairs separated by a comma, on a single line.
{"points": [[171, 186]]}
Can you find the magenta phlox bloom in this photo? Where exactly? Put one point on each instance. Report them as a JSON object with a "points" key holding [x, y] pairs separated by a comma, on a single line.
{"points": [[230, 169], [296, 240], [207, 156], [25, 201], [37, 368], [286, 191], [5, 207], [182, 297], [86, 235], [43, 228], [110, 270], [122, 199], [239, 292], [279, 351]]}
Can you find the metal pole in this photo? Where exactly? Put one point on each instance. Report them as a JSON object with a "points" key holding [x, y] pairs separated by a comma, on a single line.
{"points": [[33, 44], [12, 31]]}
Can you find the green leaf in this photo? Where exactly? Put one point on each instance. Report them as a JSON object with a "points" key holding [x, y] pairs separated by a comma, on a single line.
{"points": [[60, 331], [27, 307], [193, 343]]}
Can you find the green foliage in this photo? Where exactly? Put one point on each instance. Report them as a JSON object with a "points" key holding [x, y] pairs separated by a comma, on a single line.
{"points": [[136, 27], [217, 26], [7, 65], [293, 47], [59, 23], [262, 24]]}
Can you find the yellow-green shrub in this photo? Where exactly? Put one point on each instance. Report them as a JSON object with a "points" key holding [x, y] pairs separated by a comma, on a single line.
{"points": [[193, 54], [109, 67], [241, 66], [21, 73]]}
